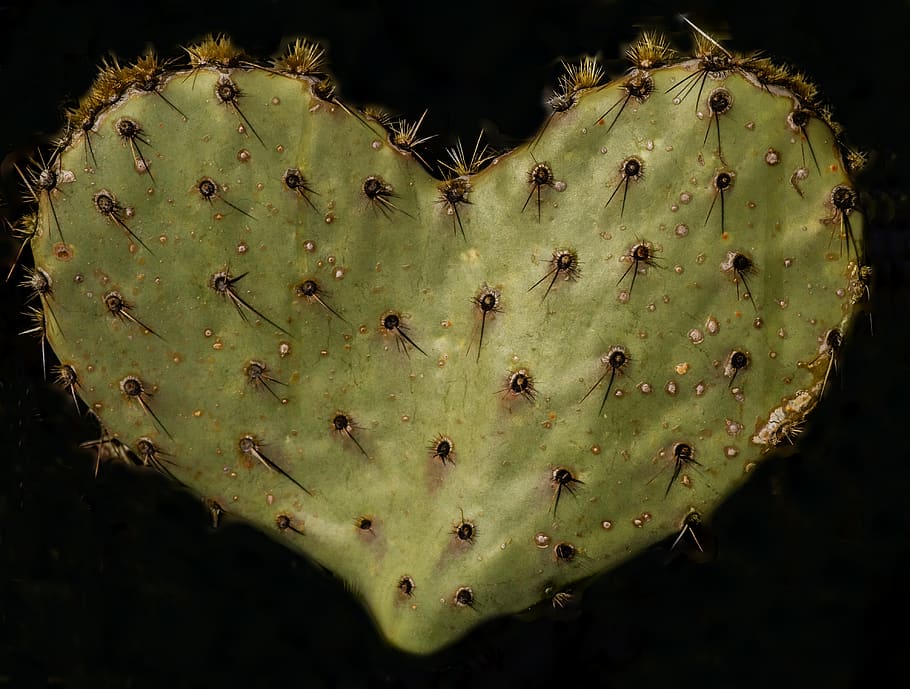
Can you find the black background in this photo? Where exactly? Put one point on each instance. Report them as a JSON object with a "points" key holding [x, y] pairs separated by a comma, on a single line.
{"points": [[122, 582]]}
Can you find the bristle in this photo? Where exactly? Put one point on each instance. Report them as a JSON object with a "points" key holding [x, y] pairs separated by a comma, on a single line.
{"points": [[82, 115], [146, 70], [218, 51], [856, 160], [584, 75], [461, 165], [705, 47], [378, 115], [651, 50], [303, 58], [111, 83], [25, 227], [800, 84], [405, 135]]}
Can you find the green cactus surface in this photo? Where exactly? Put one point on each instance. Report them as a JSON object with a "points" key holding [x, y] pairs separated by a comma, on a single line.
{"points": [[464, 394]]}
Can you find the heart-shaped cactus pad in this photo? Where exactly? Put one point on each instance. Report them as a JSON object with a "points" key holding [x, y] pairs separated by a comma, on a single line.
{"points": [[463, 393]]}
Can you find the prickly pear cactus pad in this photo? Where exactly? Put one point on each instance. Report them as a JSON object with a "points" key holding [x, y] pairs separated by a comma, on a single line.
{"points": [[463, 393]]}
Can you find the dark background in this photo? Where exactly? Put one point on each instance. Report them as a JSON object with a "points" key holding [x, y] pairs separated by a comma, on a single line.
{"points": [[120, 581]]}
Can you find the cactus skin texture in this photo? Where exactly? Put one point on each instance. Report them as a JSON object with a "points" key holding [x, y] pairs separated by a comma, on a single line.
{"points": [[463, 395]]}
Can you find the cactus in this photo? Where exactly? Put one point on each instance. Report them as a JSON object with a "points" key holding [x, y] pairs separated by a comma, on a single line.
{"points": [[463, 394]]}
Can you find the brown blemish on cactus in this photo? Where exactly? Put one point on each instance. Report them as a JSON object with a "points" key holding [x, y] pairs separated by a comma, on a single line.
{"points": [[390, 322], [564, 261], [631, 169], [107, 205], [784, 422], [228, 93], [249, 447]]}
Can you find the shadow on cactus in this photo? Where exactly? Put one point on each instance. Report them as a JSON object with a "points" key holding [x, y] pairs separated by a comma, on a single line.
{"points": [[463, 390]]}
